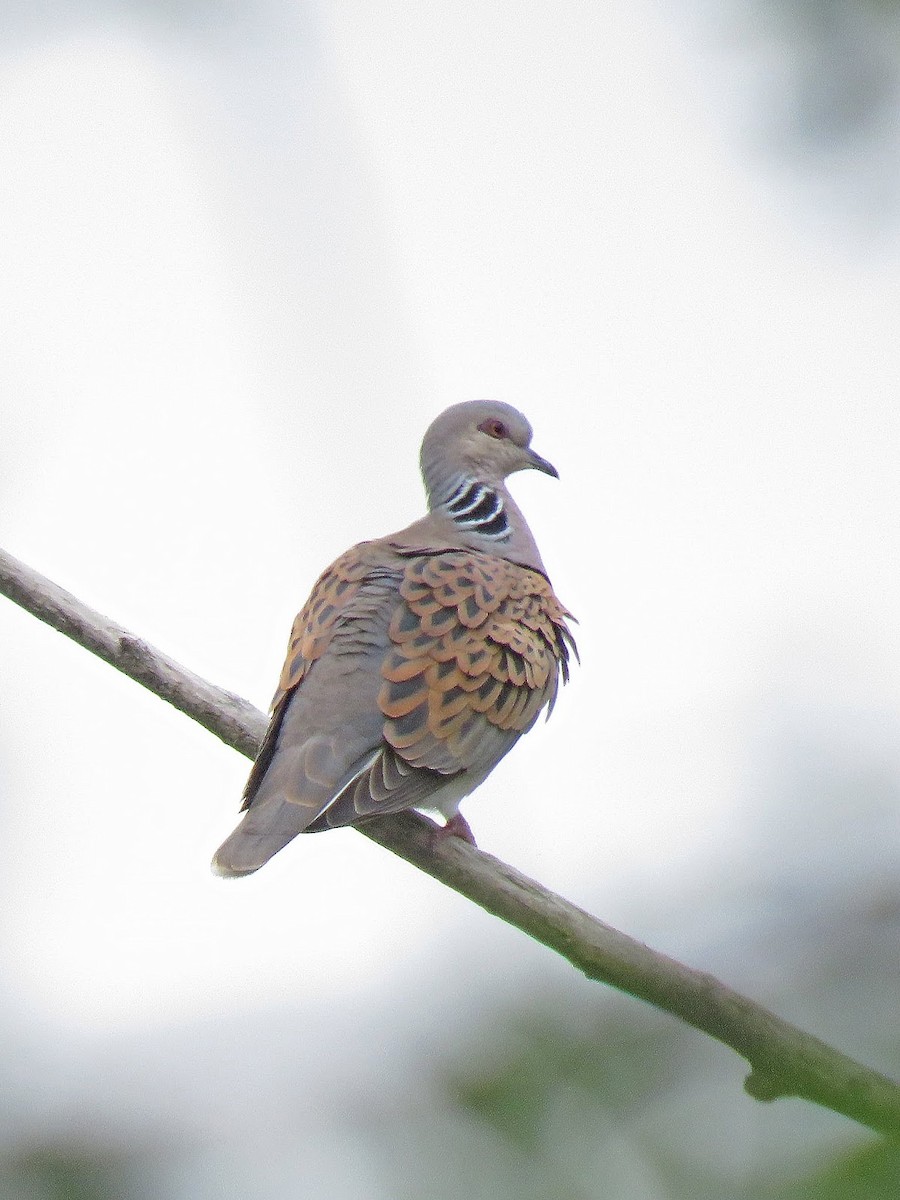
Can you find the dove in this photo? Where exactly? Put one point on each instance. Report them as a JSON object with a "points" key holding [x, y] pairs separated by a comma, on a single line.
{"points": [[419, 659]]}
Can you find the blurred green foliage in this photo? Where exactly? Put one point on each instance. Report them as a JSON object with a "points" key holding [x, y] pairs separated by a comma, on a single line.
{"points": [[59, 1172], [621, 1075]]}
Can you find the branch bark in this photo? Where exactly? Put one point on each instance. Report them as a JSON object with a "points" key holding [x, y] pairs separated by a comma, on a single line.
{"points": [[784, 1060]]}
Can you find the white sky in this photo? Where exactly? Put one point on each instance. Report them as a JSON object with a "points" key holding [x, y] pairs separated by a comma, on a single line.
{"points": [[239, 275]]}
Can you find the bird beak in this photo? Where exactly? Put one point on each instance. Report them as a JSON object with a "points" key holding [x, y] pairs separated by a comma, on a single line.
{"points": [[541, 464]]}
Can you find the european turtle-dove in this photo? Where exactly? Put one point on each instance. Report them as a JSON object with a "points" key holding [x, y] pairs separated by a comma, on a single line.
{"points": [[419, 659]]}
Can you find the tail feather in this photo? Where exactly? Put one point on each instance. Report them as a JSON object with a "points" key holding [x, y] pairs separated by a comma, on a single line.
{"points": [[266, 828]]}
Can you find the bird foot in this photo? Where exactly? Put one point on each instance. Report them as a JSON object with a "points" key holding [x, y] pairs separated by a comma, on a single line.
{"points": [[455, 826]]}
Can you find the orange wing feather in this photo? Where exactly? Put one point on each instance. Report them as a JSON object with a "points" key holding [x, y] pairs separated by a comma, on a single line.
{"points": [[477, 645], [314, 625], [477, 641]]}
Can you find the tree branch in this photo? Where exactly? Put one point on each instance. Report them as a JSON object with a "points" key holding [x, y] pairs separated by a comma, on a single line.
{"points": [[784, 1060]]}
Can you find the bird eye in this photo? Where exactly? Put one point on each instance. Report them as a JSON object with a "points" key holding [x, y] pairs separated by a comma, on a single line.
{"points": [[494, 428]]}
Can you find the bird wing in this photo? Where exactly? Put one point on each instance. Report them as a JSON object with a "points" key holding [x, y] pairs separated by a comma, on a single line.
{"points": [[477, 645], [406, 670], [325, 725]]}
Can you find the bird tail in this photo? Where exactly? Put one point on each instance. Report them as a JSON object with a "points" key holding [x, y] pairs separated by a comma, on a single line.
{"points": [[266, 828]]}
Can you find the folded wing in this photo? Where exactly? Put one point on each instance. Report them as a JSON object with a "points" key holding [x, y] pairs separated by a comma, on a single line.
{"points": [[409, 675]]}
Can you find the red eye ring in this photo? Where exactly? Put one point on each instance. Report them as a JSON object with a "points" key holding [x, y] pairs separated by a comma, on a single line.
{"points": [[494, 428]]}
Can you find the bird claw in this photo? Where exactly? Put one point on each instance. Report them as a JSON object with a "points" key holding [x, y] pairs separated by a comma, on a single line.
{"points": [[456, 826]]}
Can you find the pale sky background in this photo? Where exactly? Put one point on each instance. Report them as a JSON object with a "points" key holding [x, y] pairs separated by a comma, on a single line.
{"points": [[243, 265]]}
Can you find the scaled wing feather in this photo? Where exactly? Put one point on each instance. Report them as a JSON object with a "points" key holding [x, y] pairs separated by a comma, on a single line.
{"points": [[408, 677]]}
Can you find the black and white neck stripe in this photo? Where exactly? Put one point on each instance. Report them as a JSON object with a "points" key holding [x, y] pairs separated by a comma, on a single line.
{"points": [[477, 508]]}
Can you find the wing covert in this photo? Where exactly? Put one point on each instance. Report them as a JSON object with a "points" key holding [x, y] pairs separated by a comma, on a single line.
{"points": [[478, 644]]}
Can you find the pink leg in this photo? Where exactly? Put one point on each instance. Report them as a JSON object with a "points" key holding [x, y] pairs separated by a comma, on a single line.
{"points": [[456, 826]]}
